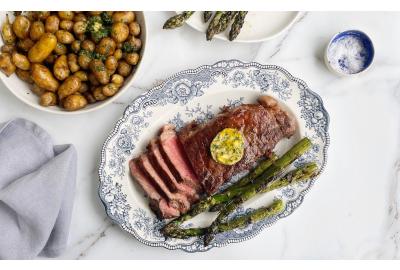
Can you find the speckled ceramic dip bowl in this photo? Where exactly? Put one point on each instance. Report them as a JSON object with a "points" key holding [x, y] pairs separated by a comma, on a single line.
{"points": [[350, 52]]}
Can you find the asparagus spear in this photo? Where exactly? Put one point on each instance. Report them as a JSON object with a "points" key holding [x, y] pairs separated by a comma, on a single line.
{"points": [[237, 25], [239, 222], [258, 170], [296, 151], [207, 15], [260, 186], [177, 20], [226, 18], [213, 26]]}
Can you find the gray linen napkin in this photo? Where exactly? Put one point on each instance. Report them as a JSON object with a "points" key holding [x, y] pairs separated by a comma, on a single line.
{"points": [[37, 183]]}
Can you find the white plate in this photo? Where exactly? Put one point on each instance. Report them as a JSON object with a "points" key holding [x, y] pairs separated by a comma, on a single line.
{"points": [[259, 25], [22, 90], [199, 94]]}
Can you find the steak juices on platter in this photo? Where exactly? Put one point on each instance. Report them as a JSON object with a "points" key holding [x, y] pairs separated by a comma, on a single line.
{"points": [[179, 167]]}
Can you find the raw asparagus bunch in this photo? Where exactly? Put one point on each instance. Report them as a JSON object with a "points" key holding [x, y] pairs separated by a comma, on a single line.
{"points": [[237, 24], [280, 164], [177, 20], [260, 186], [240, 222]]}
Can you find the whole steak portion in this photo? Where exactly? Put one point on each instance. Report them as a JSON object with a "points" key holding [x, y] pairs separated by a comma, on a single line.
{"points": [[263, 125]]}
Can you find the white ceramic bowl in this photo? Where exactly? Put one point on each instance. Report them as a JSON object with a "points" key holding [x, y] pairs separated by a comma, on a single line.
{"points": [[22, 91]]}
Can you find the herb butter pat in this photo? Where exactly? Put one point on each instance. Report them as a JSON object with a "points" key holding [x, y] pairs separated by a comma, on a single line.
{"points": [[228, 146]]}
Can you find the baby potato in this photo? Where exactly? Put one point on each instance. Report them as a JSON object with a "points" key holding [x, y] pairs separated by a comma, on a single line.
{"points": [[52, 24], [89, 97], [74, 102], [80, 37], [99, 71], [118, 54], [98, 94], [95, 13], [43, 77], [21, 26], [80, 27], [48, 99], [60, 49], [73, 63], [111, 63], [8, 49], [20, 61], [66, 25], [24, 75], [124, 69], [6, 65], [117, 80], [106, 46], [92, 79], [76, 46], [119, 32], [110, 89], [31, 15], [88, 45], [42, 48], [134, 29], [132, 58], [64, 37], [25, 44], [69, 86], [37, 30], [37, 90], [84, 61], [82, 75], [42, 15], [123, 16], [61, 69], [7, 32], [84, 88], [80, 17], [66, 15]]}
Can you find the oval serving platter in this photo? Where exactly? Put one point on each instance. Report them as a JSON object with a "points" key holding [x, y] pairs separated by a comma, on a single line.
{"points": [[199, 94]]}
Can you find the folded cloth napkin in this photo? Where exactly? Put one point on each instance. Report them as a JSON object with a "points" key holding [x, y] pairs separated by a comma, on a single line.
{"points": [[37, 183]]}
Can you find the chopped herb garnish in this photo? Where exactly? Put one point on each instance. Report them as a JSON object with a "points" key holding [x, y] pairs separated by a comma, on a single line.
{"points": [[127, 47]]}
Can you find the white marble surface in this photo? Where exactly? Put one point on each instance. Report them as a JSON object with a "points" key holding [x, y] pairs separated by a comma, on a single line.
{"points": [[352, 211]]}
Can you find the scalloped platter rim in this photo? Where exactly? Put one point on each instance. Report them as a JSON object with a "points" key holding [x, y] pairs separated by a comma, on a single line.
{"points": [[199, 94]]}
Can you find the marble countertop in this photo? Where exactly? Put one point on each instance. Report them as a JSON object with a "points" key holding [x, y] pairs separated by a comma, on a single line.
{"points": [[353, 209]]}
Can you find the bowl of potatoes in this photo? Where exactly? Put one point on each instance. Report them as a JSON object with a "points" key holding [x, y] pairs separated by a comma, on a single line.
{"points": [[70, 62]]}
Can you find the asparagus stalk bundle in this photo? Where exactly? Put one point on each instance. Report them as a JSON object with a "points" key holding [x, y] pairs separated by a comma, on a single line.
{"points": [[237, 24], [213, 26], [260, 186], [177, 20], [237, 223]]}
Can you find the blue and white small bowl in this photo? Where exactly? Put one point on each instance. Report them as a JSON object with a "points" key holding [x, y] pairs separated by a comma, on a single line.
{"points": [[350, 52]]}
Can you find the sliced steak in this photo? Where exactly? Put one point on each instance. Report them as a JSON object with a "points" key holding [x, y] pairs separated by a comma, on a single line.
{"points": [[176, 200], [157, 203], [165, 173], [262, 125], [176, 159]]}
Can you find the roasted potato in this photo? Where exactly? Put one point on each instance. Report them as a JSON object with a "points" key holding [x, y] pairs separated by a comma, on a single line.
{"points": [[42, 48], [111, 63], [8, 48], [48, 99], [6, 65], [42, 15], [7, 33], [25, 44], [117, 80], [52, 24], [61, 69], [124, 69], [21, 26], [60, 49], [99, 71], [24, 75], [119, 32], [84, 88], [73, 63], [74, 102], [66, 15], [37, 90], [66, 25], [80, 17], [37, 30], [132, 58], [123, 16], [44, 78], [106, 46], [64, 37], [98, 94], [80, 27], [134, 29], [69, 86], [118, 54], [84, 61], [88, 45], [50, 59], [89, 97], [20, 61], [82, 75], [110, 89], [76, 46], [92, 79]]}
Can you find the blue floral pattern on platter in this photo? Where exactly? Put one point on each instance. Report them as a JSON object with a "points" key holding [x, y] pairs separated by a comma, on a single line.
{"points": [[198, 95]]}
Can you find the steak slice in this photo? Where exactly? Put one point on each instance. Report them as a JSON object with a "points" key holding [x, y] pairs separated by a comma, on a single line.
{"points": [[262, 125], [176, 200], [176, 159], [157, 203], [165, 173]]}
